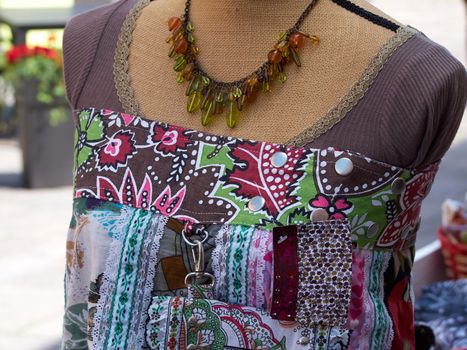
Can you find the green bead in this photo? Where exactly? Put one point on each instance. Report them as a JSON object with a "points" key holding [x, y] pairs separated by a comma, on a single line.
{"points": [[281, 36], [237, 92], [220, 97], [282, 77], [193, 101], [179, 64], [180, 79], [172, 50], [265, 86], [190, 86], [189, 27], [232, 114], [206, 81], [205, 99], [241, 102], [206, 116], [191, 38], [295, 57]]}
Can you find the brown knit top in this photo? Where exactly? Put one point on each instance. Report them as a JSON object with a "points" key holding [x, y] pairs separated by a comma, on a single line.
{"points": [[408, 116]]}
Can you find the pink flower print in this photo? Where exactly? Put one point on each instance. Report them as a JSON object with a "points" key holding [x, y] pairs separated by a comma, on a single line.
{"points": [[167, 204], [127, 193], [127, 118], [168, 139], [116, 151], [113, 147], [336, 209]]}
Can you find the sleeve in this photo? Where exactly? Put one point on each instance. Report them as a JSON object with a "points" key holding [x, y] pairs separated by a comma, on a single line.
{"points": [[81, 38], [430, 93]]}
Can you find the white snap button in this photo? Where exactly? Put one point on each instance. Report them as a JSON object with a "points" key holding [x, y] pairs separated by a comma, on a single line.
{"points": [[279, 159], [256, 203], [343, 166]]}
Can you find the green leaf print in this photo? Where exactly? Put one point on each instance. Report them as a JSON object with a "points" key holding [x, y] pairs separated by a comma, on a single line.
{"points": [[75, 322], [90, 131]]}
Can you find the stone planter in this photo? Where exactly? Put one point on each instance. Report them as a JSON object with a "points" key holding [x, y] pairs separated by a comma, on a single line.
{"points": [[47, 150]]}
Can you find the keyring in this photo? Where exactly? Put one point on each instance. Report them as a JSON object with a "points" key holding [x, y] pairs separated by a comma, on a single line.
{"points": [[206, 233], [198, 275]]}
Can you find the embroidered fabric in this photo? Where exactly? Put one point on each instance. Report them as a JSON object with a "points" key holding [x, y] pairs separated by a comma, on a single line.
{"points": [[103, 306], [148, 265]]}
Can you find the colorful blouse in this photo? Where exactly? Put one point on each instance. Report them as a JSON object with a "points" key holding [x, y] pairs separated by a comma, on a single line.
{"points": [[308, 248]]}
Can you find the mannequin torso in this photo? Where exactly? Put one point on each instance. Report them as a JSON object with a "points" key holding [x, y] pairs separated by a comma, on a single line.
{"points": [[234, 38], [405, 111]]}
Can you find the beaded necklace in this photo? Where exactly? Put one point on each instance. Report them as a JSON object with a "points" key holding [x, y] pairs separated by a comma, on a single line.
{"points": [[211, 96]]}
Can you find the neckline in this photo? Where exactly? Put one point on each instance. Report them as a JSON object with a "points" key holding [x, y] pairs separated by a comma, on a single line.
{"points": [[130, 105]]}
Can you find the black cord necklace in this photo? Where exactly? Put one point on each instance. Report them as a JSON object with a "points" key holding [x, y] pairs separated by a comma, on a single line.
{"points": [[212, 96]]}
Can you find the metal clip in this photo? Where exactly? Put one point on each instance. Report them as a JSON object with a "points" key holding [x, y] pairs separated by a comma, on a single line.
{"points": [[197, 250]]}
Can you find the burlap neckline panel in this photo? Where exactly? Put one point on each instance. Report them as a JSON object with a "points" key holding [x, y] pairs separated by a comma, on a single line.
{"points": [[130, 105]]}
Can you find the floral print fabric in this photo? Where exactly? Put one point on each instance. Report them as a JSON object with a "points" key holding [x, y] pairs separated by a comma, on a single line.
{"points": [[139, 182]]}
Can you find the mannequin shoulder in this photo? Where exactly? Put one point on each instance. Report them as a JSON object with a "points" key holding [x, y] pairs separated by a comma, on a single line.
{"points": [[425, 99], [82, 37]]}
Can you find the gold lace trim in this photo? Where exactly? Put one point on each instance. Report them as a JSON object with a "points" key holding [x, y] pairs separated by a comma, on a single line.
{"points": [[356, 93], [122, 79], [129, 104]]}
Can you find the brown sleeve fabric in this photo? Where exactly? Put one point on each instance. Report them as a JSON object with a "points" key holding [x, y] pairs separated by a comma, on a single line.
{"points": [[424, 105], [411, 112], [89, 43]]}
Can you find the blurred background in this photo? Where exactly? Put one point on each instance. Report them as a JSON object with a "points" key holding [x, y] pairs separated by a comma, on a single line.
{"points": [[36, 192]]}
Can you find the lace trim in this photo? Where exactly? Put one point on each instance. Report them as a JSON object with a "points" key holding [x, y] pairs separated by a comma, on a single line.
{"points": [[219, 262], [356, 93], [121, 77], [143, 297], [110, 275], [130, 105]]}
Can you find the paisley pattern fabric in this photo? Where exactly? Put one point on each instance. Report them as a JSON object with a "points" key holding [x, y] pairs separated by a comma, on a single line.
{"points": [[282, 279]]}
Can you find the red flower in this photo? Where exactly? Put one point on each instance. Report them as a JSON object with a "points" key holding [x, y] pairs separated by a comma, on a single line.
{"points": [[168, 139], [116, 152], [22, 51], [336, 209]]}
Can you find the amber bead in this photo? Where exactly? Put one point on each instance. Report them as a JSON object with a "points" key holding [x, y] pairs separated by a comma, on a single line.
{"points": [[188, 70], [251, 93], [174, 22], [195, 50], [274, 56], [297, 40], [314, 40], [181, 45]]}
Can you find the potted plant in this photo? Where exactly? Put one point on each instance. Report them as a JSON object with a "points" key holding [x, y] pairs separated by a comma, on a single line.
{"points": [[44, 123]]}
